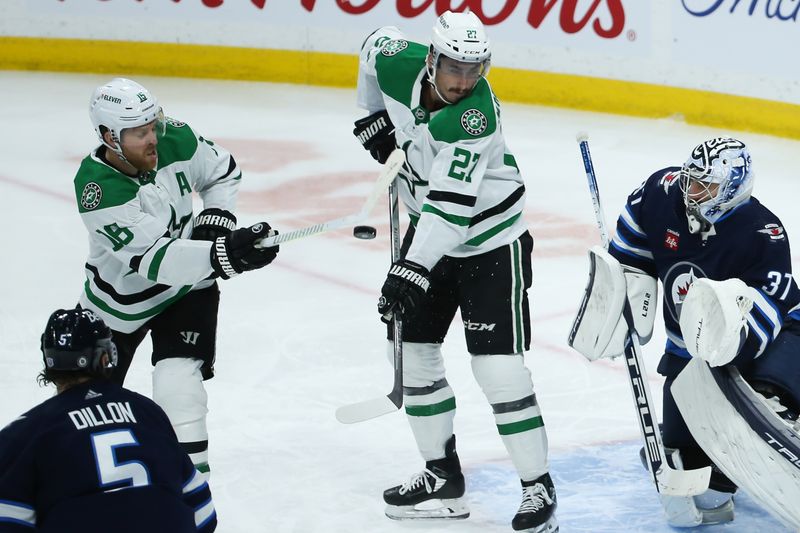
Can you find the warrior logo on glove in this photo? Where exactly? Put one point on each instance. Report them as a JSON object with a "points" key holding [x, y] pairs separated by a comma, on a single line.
{"points": [[404, 288]]}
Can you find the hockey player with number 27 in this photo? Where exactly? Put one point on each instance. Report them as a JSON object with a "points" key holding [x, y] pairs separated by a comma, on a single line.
{"points": [[96, 457], [467, 248], [729, 298], [152, 266]]}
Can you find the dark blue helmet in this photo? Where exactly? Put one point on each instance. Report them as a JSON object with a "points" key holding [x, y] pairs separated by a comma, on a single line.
{"points": [[76, 339]]}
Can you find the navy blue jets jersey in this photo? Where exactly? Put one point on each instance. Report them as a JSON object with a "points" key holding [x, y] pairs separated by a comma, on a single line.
{"points": [[99, 458], [748, 243]]}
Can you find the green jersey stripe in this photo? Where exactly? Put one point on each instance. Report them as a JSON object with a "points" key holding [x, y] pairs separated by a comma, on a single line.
{"points": [[155, 264], [453, 219], [491, 232]]}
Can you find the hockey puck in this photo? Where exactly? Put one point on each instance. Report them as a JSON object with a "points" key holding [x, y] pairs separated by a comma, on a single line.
{"points": [[364, 232]]}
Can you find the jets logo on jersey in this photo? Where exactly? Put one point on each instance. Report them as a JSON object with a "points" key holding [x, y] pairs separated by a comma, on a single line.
{"points": [[474, 122], [677, 282], [669, 179], [394, 47], [671, 240], [774, 231], [91, 196]]}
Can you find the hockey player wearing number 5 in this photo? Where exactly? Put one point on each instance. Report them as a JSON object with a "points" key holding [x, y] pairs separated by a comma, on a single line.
{"points": [[152, 265], [95, 457], [467, 248], [729, 299]]}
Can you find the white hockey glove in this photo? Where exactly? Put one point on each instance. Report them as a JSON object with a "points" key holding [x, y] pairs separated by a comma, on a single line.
{"points": [[714, 319], [599, 328]]}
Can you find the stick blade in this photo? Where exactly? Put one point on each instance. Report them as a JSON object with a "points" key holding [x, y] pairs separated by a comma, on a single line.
{"points": [[673, 482], [365, 410]]}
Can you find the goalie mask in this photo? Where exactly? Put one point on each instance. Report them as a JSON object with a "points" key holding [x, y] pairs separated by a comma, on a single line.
{"points": [[121, 104], [461, 38], [76, 340], [716, 178]]}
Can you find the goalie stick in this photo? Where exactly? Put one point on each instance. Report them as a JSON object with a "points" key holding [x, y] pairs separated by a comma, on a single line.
{"points": [[390, 169], [668, 481], [382, 405]]}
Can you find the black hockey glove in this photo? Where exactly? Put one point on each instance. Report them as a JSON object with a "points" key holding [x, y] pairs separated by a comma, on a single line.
{"points": [[213, 223], [376, 134], [404, 289], [237, 253]]}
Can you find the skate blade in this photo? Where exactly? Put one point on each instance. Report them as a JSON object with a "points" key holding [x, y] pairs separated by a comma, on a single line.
{"points": [[551, 526], [720, 515], [445, 509]]}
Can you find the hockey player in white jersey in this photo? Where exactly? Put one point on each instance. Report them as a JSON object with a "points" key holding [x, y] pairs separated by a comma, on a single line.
{"points": [[152, 265], [467, 248]]}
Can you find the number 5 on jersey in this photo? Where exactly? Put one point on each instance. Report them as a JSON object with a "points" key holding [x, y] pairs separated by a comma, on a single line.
{"points": [[111, 473]]}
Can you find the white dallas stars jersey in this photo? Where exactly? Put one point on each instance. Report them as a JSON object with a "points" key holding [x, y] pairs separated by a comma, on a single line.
{"points": [[140, 257], [461, 184]]}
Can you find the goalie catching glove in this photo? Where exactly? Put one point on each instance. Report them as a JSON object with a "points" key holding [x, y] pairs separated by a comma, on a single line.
{"points": [[237, 253], [404, 288], [600, 328], [714, 319], [376, 134]]}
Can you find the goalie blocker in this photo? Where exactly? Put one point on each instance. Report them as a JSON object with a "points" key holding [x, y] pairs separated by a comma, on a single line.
{"points": [[599, 328]]}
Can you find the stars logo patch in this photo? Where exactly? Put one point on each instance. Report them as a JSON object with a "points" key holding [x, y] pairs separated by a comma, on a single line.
{"points": [[474, 122], [394, 47], [91, 196]]}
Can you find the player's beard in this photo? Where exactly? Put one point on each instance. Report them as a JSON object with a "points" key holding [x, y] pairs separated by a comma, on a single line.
{"points": [[145, 161]]}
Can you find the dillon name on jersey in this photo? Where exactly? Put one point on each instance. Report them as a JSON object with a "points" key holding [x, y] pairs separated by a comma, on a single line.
{"points": [[462, 186], [748, 243], [140, 257], [64, 461]]}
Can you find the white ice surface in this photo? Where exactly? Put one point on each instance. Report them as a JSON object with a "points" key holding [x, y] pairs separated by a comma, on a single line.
{"points": [[301, 337]]}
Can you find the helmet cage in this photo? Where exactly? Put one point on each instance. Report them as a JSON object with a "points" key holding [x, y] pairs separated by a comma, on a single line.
{"points": [[724, 162]]}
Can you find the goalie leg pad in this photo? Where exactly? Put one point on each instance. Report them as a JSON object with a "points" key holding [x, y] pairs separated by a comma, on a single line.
{"points": [[743, 436], [178, 389], [506, 383], [429, 400]]}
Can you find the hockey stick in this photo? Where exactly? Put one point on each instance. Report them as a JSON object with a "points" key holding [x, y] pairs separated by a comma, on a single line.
{"points": [[668, 481], [375, 407], [390, 169]]}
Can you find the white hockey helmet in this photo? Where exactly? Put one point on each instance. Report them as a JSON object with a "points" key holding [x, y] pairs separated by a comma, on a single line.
{"points": [[461, 37], [121, 104], [724, 162]]}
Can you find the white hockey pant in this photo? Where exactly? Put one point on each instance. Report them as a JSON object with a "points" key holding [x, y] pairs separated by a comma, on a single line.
{"points": [[506, 383], [429, 400], [178, 389]]}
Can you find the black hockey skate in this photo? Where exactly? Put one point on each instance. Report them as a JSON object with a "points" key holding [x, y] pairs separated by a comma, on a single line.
{"points": [[436, 492], [536, 514]]}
